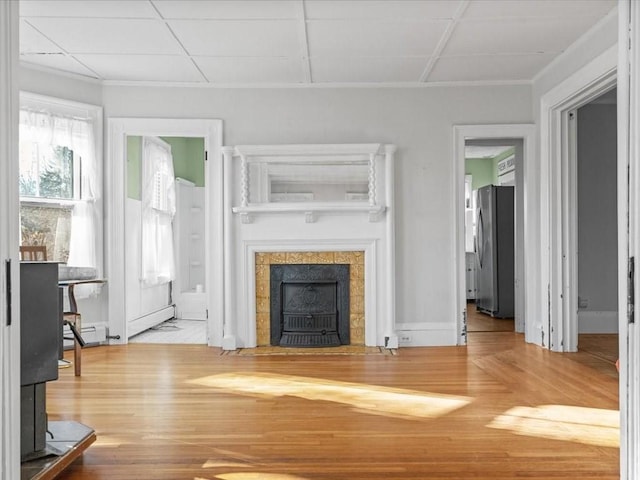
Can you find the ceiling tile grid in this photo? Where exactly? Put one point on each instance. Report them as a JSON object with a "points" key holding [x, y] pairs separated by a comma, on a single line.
{"points": [[298, 42]]}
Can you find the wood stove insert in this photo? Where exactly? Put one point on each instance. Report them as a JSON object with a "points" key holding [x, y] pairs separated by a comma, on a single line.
{"points": [[309, 305]]}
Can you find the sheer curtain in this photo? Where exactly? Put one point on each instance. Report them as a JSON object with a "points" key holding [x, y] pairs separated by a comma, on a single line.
{"points": [[50, 129], [158, 209]]}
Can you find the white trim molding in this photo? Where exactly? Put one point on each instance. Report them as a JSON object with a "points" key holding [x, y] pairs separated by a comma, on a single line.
{"points": [[629, 235], [9, 235], [430, 334], [558, 200]]}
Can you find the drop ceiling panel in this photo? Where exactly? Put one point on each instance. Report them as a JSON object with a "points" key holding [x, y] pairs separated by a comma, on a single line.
{"points": [[254, 41], [252, 70], [59, 62], [538, 35], [220, 9], [32, 41], [373, 38], [367, 69], [93, 8], [368, 9], [488, 67], [537, 8], [101, 35], [145, 68], [238, 38]]}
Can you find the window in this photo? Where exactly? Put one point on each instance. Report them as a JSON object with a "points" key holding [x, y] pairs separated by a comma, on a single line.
{"points": [[158, 209], [48, 171], [59, 183]]}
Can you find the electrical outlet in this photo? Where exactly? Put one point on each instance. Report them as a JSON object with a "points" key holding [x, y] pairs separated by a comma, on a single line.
{"points": [[404, 339], [583, 302]]}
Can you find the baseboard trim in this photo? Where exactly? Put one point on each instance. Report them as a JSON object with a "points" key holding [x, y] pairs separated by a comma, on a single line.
{"points": [[426, 334], [150, 320], [597, 322]]}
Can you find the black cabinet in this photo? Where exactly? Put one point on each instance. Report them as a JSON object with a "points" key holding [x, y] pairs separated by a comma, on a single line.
{"points": [[40, 336]]}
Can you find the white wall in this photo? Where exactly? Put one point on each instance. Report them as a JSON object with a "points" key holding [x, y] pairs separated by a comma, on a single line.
{"points": [[418, 121], [60, 86], [597, 218]]}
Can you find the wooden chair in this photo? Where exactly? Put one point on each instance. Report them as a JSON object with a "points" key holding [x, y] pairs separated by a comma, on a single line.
{"points": [[33, 253]]}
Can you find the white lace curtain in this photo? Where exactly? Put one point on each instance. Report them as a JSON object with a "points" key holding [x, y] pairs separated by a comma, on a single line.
{"points": [[48, 130], [158, 209]]}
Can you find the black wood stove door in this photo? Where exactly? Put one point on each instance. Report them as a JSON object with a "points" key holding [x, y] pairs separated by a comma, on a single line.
{"points": [[309, 305], [310, 316]]}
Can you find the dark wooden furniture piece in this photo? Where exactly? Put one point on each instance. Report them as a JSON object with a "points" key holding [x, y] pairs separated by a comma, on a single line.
{"points": [[40, 331], [46, 448]]}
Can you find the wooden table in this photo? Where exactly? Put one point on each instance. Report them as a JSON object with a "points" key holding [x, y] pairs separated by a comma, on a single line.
{"points": [[70, 440]]}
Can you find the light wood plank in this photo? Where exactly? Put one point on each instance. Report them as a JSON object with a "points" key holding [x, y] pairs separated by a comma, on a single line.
{"points": [[174, 412]]}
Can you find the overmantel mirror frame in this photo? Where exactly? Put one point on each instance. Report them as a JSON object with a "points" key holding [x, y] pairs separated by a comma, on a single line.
{"points": [[328, 179]]}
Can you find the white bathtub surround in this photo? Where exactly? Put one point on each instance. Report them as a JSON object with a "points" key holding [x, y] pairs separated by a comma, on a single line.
{"points": [[309, 198], [188, 292]]}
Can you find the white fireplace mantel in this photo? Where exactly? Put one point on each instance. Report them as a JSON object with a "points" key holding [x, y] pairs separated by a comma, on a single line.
{"points": [[323, 166], [343, 192]]}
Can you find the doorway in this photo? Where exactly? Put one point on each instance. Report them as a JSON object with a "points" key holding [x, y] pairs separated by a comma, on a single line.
{"points": [[497, 134], [593, 138], [494, 268], [120, 129], [166, 300]]}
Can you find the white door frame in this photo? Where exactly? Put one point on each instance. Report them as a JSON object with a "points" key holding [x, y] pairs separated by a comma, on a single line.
{"points": [[526, 132], [628, 234], [116, 180], [9, 234], [558, 197]]}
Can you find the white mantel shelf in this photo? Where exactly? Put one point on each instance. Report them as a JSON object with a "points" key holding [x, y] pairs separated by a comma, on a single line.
{"points": [[309, 210]]}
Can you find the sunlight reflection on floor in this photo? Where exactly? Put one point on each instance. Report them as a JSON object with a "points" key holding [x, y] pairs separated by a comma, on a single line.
{"points": [[589, 426], [259, 476], [368, 398]]}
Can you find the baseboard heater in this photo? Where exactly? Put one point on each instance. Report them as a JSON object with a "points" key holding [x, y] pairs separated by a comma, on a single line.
{"points": [[145, 322]]}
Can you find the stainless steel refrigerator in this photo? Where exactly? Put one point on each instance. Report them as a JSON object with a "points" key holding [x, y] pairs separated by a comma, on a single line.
{"points": [[495, 251]]}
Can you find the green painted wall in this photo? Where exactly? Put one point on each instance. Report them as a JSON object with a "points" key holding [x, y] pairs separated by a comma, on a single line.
{"points": [[188, 158], [188, 161], [485, 170], [482, 171]]}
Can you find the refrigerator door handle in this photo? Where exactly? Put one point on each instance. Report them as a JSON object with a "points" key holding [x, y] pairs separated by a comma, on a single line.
{"points": [[480, 238]]}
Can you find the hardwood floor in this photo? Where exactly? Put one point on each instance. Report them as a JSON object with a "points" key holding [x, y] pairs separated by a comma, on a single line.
{"points": [[481, 322], [496, 409]]}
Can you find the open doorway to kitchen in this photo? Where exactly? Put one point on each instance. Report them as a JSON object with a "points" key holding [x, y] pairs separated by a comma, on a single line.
{"points": [[493, 186], [504, 149]]}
